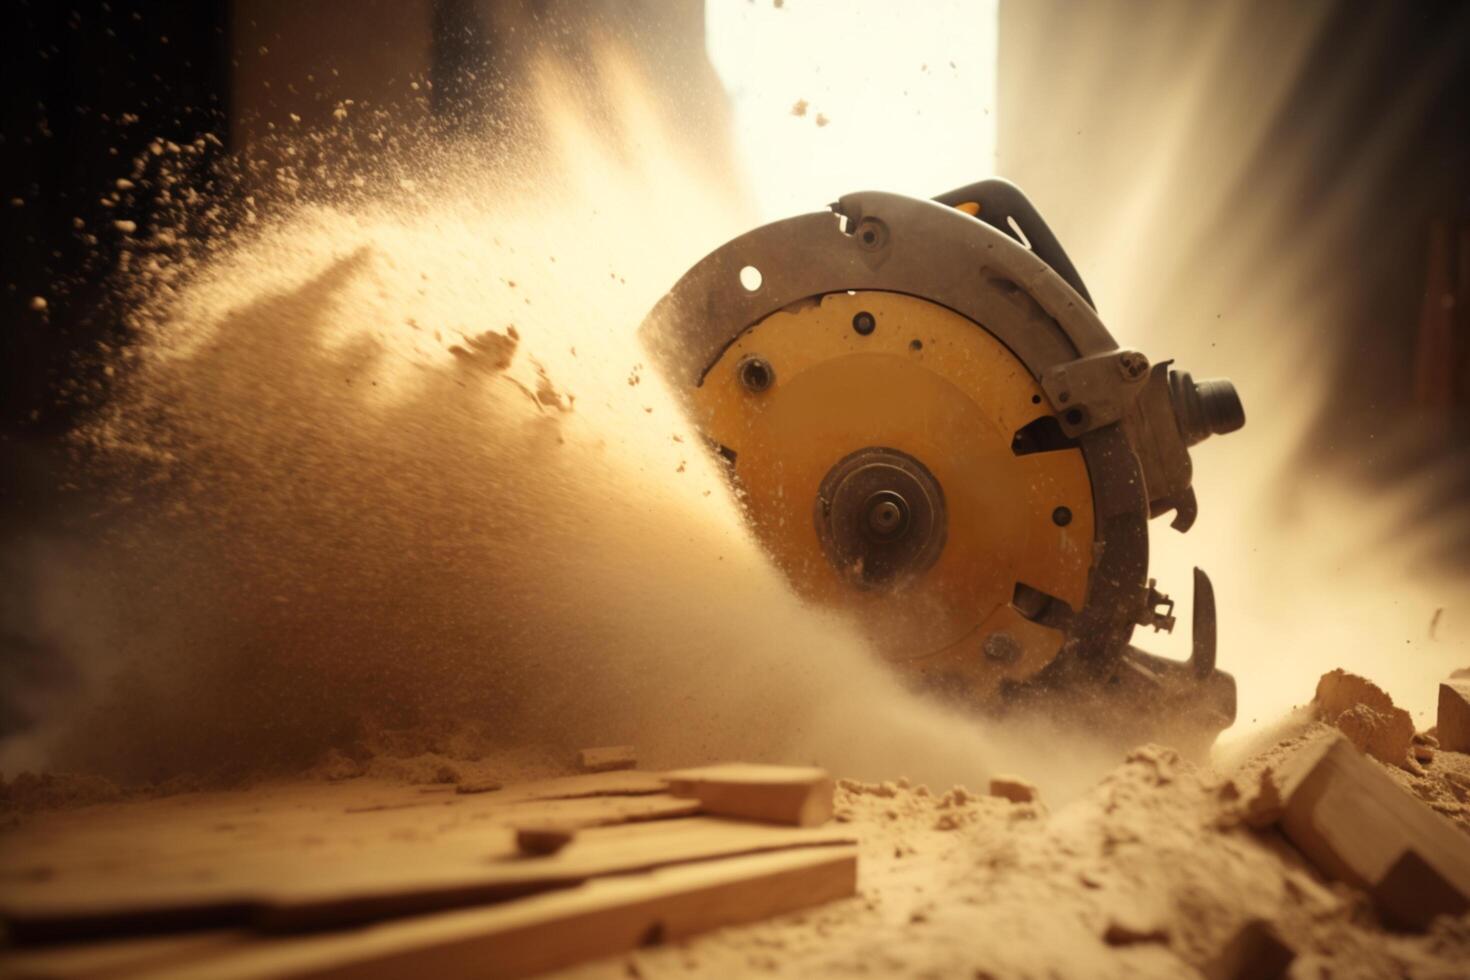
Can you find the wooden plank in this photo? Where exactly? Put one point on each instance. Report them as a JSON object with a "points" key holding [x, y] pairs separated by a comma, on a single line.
{"points": [[619, 783], [607, 758], [117, 958], [518, 939], [796, 795], [98, 885], [596, 852], [1354, 822]]}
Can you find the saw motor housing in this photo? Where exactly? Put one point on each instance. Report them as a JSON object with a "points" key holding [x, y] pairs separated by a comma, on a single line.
{"points": [[931, 430]]}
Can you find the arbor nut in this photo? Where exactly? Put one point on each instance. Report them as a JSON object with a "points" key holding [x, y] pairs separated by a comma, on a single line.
{"points": [[1132, 365]]}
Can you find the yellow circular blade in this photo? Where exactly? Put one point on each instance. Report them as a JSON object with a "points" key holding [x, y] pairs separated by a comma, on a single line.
{"points": [[932, 384]]}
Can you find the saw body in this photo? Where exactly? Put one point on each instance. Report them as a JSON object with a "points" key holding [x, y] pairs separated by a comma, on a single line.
{"points": [[932, 431]]}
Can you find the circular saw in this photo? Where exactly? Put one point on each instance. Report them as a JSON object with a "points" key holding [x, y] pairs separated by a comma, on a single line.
{"points": [[931, 430]]}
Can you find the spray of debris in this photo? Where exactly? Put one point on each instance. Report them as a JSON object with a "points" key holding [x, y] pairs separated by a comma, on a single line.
{"points": [[387, 460]]}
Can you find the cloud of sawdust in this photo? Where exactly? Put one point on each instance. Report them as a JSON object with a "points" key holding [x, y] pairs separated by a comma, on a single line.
{"points": [[394, 461], [388, 457]]}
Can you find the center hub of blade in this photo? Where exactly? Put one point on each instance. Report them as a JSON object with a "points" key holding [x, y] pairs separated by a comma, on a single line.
{"points": [[880, 516], [888, 515]]}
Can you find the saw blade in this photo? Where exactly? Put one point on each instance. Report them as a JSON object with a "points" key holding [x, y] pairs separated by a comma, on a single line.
{"points": [[880, 379], [880, 444]]}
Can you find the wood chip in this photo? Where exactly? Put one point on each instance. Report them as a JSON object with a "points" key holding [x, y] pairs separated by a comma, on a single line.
{"points": [[1015, 789], [607, 758], [477, 786], [1453, 727], [543, 840], [1255, 952], [797, 795]]}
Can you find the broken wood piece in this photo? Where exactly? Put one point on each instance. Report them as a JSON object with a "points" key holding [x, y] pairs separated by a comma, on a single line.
{"points": [[797, 795], [607, 758], [1255, 952], [1014, 788], [1366, 714], [1453, 726], [472, 787], [543, 840], [1354, 822], [1123, 932], [558, 929]]}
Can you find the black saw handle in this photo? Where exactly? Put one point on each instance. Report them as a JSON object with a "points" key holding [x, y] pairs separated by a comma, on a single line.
{"points": [[1001, 203]]}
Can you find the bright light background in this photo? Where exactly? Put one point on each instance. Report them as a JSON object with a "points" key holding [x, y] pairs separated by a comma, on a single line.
{"points": [[906, 89]]}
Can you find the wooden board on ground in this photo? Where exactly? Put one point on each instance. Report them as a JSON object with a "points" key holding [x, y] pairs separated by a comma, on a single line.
{"points": [[118, 957], [516, 939], [796, 795], [484, 864], [593, 853], [215, 859], [1355, 823]]}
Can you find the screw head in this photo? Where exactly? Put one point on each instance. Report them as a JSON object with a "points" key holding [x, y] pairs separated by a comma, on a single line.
{"points": [[756, 375], [864, 323], [871, 234], [1132, 365]]}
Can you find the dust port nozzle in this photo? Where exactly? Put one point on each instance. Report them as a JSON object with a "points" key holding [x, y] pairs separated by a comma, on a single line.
{"points": [[1205, 408]]}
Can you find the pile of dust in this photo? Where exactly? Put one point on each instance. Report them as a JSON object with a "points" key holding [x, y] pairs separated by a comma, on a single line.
{"points": [[1151, 873], [390, 461]]}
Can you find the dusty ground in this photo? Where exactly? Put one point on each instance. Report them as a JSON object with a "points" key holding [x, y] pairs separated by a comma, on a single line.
{"points": [[1147, 875]]}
